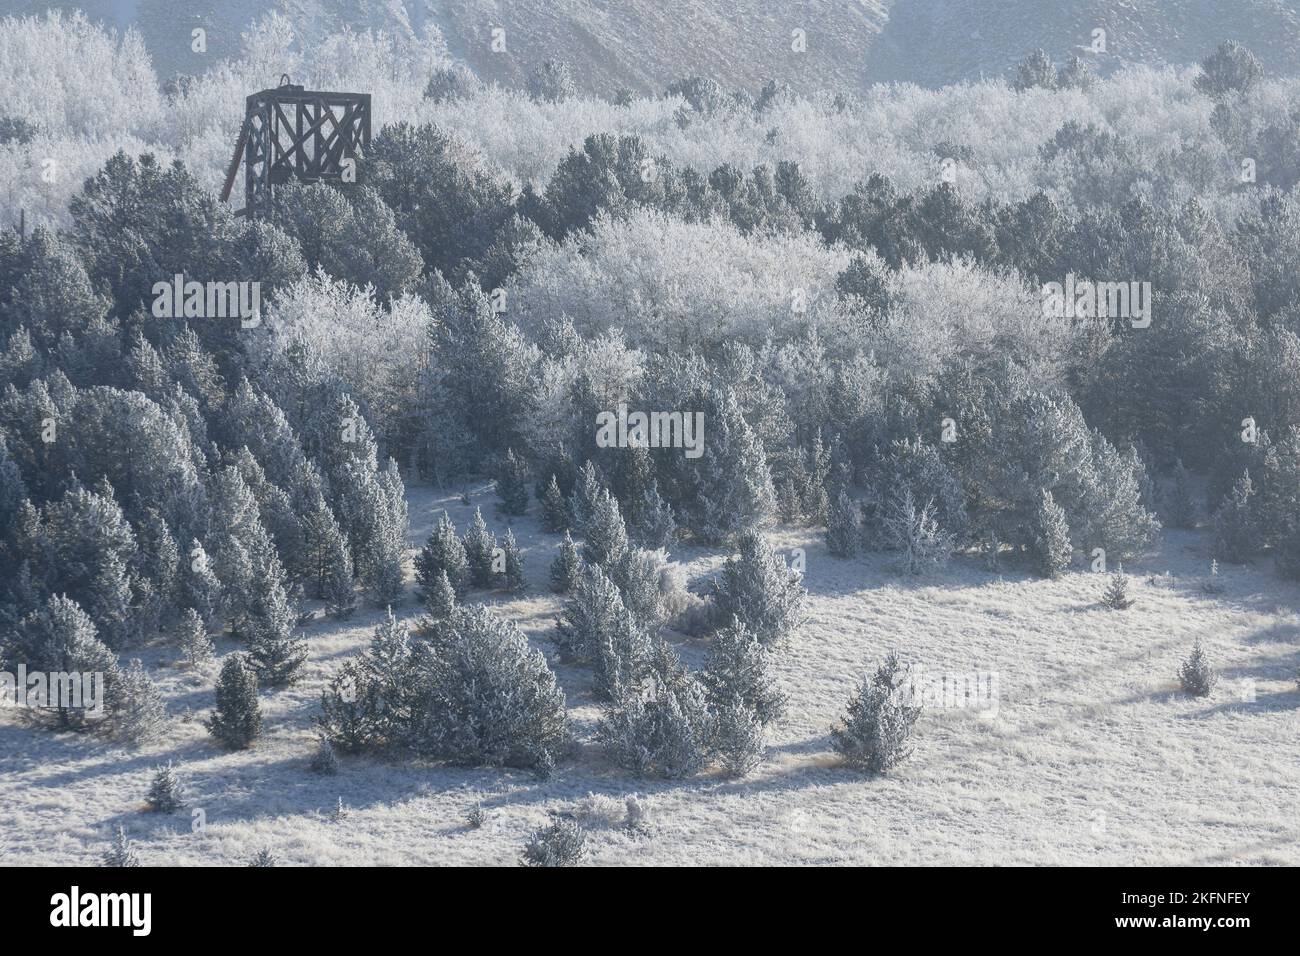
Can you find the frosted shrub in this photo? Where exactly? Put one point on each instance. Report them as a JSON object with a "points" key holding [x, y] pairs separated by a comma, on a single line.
{"points": [[262, 857], [596, 810], [739, 736], [560, 844], [1195, 674], [485, 697], [475, 816], [873, 733]]}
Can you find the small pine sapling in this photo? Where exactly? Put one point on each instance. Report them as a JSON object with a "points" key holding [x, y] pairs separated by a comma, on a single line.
{"points": [[874, 731], [1195, 673], [237, 720], [262, 857], [1116, 596], [121, 853], [166, 792]]}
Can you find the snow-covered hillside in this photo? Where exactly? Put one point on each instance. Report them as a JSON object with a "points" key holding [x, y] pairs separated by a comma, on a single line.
{"points": [[642, 45], [1093, 755]]}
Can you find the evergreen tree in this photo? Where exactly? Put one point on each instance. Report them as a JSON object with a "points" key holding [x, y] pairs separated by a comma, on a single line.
{"points": [[873, 733], [193, 639], [739, 736], [587, 488], [1235, 531], [597, 628], [59, 637], [512, 484], [1052, 550], [326, 559], [382, 568], [605, 535], [262, 857], [663, 727], [197, 585], [443, 552], [760, 590], [237, 719], [656, 523], [566, 569], [1116, 596], [514, 559], [274, 653], [736, 668], [555, 511], [843, 526], [1195, 674], [440, 600], [121, 853], [141, 714], [166, 792], [480, 548]]}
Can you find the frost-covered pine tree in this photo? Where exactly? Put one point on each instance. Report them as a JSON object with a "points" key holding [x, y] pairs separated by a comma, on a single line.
{"points": [[1181, 508], [664, 726], [566, 569], [1236, 537], [262, 857], [1052, 549], [512, 484], [480, 548], [193, 639], [440, 599], [739, 736], [605, 536], [121, 852], [514, 560], [562, 843], [141, 715], [383, 568], [555, 510], [59, 637], [443, 552], [197, 585], [873, 733], [737, 667], [843, 526], [484, 697], [274, 653], [587, 488], [656, 524], [1116, 595], [237, 718], [166, 792], [327, 559], [760, 590], [1195, 674], [597, 628]]}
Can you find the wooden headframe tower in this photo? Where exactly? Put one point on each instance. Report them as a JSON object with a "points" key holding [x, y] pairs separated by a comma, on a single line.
{"points": [[293, 133]]}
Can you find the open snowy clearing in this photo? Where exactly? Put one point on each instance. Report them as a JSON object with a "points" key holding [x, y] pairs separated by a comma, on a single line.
{"points": [[1093, 754]]}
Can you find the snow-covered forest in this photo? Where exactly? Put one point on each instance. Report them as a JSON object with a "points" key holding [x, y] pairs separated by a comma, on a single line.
{"points": [[876, 475]]}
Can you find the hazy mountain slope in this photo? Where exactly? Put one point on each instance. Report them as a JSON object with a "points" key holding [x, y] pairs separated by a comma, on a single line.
{"points": [[935, 42], [644, 44]]}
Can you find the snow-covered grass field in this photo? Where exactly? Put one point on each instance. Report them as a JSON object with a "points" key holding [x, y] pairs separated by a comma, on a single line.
{"points": [[1092, 756]]}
